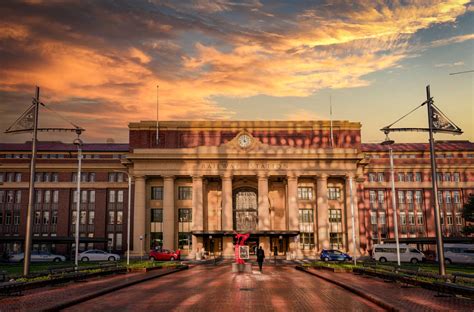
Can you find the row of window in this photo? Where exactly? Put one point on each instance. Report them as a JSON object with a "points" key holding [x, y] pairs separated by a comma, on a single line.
{"points": [[10, 196], [46, 177], [184, 215], [7, 217], [10, 176], [415, 177], [61, 156], [46, 196], [45, 217]]}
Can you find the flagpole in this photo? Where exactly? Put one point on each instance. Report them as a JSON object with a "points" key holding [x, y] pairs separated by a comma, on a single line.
{"points": [[157, 115], [439, 235], [31, 190], [330, 114]]}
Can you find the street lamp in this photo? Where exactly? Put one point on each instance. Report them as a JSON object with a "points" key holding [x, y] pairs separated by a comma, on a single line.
{"points": [[394, 198], [78, 142], [128, 212]]}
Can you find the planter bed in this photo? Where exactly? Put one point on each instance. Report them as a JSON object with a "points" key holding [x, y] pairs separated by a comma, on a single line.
{"points": [[335, 270]]}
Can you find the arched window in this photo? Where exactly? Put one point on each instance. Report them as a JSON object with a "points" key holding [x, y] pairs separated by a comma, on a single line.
{"points": [[245, 210]]}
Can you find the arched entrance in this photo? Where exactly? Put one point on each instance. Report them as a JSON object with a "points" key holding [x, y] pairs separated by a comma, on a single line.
{"points": [[245, 214]]}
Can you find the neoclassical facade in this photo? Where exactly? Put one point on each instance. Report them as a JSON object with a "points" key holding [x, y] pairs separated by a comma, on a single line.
{"points": [[284, 182]]}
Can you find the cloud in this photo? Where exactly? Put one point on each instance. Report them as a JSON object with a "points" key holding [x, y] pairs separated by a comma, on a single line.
{"points": [[99, 64], [449, 64]]}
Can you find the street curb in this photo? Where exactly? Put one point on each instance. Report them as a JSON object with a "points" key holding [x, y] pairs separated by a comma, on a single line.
{"points": [[105, 291], [358, 292]]}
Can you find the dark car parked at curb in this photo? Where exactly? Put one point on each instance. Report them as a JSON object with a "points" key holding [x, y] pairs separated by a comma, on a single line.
{"points": [[334, 255]]}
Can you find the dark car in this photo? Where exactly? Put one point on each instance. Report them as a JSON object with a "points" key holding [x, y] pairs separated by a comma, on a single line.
{"points": [[334, 255], [164, 255]]}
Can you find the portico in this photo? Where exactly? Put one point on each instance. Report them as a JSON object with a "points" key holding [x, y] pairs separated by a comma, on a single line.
{"points": [[291, 197]]}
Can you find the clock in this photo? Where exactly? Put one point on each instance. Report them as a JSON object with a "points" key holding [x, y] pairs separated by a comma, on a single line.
{"points": [[244, 140]]}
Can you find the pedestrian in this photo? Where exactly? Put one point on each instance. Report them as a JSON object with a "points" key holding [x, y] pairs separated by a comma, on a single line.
{"points": [[260, 257]]}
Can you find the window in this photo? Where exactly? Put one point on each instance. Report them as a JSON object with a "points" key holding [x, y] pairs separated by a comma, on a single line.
{"points": [[2, 196], [371, 177], [401, 177], [83, 219], [418, 176], [92, 177], [18, 177], [74, 217], [119, 196], [419, 218], [439, 177], [110, 238], [112, 177], [118, 241], [10, 197], [38, 197], [18, 197], [185, 193], [440, 197], [55, 196], [380, 197], [38, 177], [409, 195], [54, 217], [84, 176], [119, 177], [418, 198], [184, 240], [411, 218], [449, 218], [372, 197], [156, 215], [458, 218], [92, 196], [91, 218], [373, 217], [45, 217], [380, 177], [381, 217], [10, 177], [448, 197], [55, 177], [157, 193], [305, 193], [2, 177], [111, 217], [84, 197], [335, 240], [47, 177], [306, 216], [401, 197], [456, 197], [456, 177], [37, 217], [447, 177], [409, 177], [16, 219], [119, 217], [335, 215], [185, 215], [8, 218], [47, 196], [334, 192], [403, 218], [307, 240], [111, 196]]}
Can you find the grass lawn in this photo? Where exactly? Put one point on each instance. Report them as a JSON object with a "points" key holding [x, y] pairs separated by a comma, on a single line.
{"points": [[16, 269]]}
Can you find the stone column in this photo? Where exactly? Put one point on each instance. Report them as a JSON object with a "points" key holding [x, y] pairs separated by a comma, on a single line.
{"points": [[263, 204], [227, 216], [350, 228], [293, 215], [168, 213], [198, 213], [139, 216], [322, 209]]}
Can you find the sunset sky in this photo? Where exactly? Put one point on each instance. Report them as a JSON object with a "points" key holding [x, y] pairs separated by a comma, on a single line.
{"points": [[98, 62]]}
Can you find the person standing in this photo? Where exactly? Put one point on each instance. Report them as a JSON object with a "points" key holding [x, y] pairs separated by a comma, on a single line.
{"points": [[260, 257]]}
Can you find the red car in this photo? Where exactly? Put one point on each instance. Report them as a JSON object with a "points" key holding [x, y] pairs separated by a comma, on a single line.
{"points": [[164, 255]]}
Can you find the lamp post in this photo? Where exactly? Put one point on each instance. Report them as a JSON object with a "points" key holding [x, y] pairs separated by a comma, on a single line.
{"points": [[394, 198], [78, 142], [128, 211]]}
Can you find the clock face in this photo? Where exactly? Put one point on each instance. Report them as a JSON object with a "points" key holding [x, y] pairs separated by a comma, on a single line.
{"points": [[244, 140]]}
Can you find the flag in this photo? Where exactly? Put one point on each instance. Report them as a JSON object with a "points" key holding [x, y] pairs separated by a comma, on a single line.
{"points": [[441, 123], [25, 123]]}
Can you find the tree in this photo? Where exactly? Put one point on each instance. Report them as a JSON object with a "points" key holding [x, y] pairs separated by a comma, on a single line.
{"points": [[468, 215]]}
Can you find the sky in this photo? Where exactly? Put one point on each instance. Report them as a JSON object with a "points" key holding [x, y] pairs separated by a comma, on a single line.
{"points": [[99, 63]]}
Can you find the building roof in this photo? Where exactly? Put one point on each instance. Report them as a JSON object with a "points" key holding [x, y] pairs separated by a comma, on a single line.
{"points": [[57, 146], [420, 147]]}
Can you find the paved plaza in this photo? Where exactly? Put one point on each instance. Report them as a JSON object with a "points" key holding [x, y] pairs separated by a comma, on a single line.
{"points": [[215, 288], [209, 288]]}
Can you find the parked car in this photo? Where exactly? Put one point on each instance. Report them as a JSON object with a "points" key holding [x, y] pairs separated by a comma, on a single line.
{"points": [[164, 255], [388, 252], [458, 253], [37, 256], [334, 255], [97, 255]]}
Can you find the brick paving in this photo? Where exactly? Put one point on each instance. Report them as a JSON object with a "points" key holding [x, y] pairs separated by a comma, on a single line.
{"points": [[403, 299], [215, 288], [47, 297]]}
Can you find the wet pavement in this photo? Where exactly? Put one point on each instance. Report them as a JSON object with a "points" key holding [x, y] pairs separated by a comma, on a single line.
{"points": [[216, 288]]}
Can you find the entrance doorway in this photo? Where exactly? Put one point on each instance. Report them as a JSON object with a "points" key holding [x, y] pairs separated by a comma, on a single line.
{"points": [[281, 243]]}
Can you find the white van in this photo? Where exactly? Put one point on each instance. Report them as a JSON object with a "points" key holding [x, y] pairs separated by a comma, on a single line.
{"points": [[459, 253], [388, 252]]}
